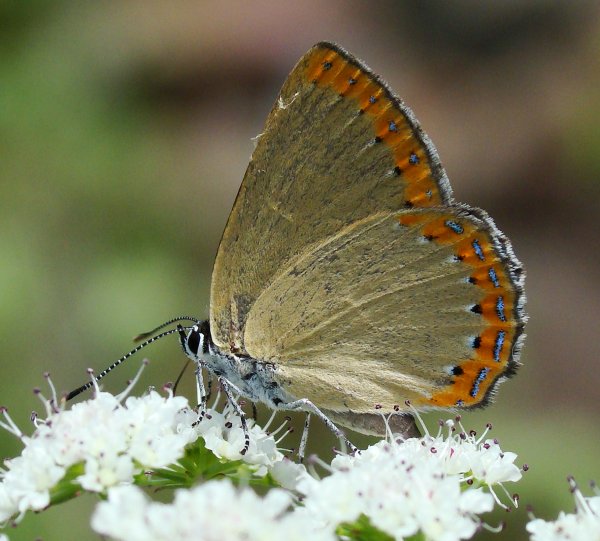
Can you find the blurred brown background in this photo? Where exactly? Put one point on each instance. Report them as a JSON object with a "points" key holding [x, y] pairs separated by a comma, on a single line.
{"points": [[125, 130]]}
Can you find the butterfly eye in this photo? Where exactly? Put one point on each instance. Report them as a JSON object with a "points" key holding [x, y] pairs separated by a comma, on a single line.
{"points": [[193, 340]]}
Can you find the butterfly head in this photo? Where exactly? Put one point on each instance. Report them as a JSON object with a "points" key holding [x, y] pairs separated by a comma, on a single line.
{"points": [[195, 340]]}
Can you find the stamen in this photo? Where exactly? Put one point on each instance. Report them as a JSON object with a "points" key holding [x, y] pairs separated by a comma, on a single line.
{"points": [[10, 425], [388, 431], [168, 389], [216, 401], [285, 423], [282, 437], [509, 495], [38, 392], [271, 419], [496, 529], [493, 493], [441, 425], [311, 468], [419, 418], [315, 460], [488, 427], [458, 420], [53, 391], [123, 394], [580, 502]]}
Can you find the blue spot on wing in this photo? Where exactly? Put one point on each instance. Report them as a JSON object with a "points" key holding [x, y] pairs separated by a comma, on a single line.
{"points": [[493, 277], [392, 126], [456, 227], [498, 345], [413, 158], [500, 308], [480, 377], [478, 250]]}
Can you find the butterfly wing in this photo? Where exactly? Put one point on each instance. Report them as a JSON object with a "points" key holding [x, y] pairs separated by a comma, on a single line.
{"points": [[346, 262], [337, 147], [422, 304]]}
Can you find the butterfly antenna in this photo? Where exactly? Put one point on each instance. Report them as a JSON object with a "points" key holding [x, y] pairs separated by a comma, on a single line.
{"points": [[175, 385], [89, 384], [145, 335]]}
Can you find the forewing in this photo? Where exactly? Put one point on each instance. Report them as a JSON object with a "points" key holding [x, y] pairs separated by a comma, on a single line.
{"points": [[337, 147]]}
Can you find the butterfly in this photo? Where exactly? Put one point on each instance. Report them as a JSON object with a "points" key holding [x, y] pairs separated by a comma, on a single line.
{"points": [[348, 282]]}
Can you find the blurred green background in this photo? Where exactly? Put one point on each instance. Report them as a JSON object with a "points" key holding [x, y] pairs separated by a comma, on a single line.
{"points": [[125, 130]]}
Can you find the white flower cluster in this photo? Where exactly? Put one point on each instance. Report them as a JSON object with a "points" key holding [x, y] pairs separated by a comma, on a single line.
{"points": [[583, 525], [110, 438], [223, 435], [426, 485], [423, 485], [116, 438], [213, 511]]}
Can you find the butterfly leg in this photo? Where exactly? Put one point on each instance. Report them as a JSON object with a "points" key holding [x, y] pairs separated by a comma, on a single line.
{"points": [[304, 439], [200, 393], [226, 386], [306, 405], [209, 387]]}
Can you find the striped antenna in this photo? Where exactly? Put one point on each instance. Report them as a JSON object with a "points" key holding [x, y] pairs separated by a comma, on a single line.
{"points": [[144, 335], [89, 384]]}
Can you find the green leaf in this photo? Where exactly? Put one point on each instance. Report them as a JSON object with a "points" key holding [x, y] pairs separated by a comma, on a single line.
{"points": [[66, 489], [361, 530], [201, 464]]}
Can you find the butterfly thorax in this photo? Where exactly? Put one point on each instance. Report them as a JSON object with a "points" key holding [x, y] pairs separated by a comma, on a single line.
{"points": [[253, 378]]}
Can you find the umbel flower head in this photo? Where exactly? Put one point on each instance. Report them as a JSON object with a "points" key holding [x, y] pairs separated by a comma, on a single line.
{"points": [[213, 511], [583, 525], [434, 486], [112, 440]]}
